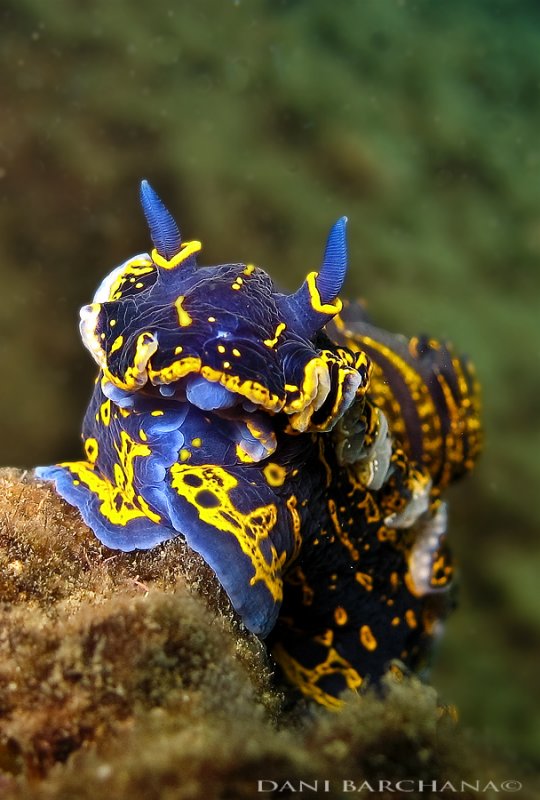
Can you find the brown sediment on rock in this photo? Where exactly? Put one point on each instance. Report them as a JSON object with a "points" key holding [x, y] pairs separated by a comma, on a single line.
{"points": [[90, 637], [128, 675]]}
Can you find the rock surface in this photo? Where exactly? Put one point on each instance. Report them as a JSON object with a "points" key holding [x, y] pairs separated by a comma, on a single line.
{"points": [[128, 675]]}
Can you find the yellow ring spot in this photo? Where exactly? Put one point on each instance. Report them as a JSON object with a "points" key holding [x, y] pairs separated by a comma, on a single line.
{"points": [[367, 638], [340, 616], [91, 448], [275, 474]]}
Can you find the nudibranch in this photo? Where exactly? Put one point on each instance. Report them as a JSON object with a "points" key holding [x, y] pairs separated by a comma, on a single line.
{"points": [[299, 449]]}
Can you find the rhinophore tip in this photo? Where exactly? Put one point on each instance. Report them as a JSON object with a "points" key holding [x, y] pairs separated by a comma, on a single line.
{"points": [[163, 229]]}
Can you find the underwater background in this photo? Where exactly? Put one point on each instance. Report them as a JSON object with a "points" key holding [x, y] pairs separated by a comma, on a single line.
{"points": [[260, 123]]}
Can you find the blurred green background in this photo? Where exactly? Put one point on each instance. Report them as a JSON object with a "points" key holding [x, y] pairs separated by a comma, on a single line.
{"points": [[260, 122]]}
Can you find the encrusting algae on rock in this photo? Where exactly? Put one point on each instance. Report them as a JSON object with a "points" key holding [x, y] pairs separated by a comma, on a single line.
{"points": [[129, 676], [88, 638]]}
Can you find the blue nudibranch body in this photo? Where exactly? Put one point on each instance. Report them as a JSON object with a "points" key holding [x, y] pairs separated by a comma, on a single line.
{"points": [[299, 449]]}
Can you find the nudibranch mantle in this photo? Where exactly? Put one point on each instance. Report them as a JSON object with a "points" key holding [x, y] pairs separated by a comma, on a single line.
{"points": [[300, 450]]}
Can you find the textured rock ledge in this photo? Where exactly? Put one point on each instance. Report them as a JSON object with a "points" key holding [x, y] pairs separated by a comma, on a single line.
{"points": [[128, 675]]}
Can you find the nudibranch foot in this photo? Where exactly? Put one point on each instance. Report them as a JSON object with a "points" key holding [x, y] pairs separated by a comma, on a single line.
{"points": [[151, 475]]}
